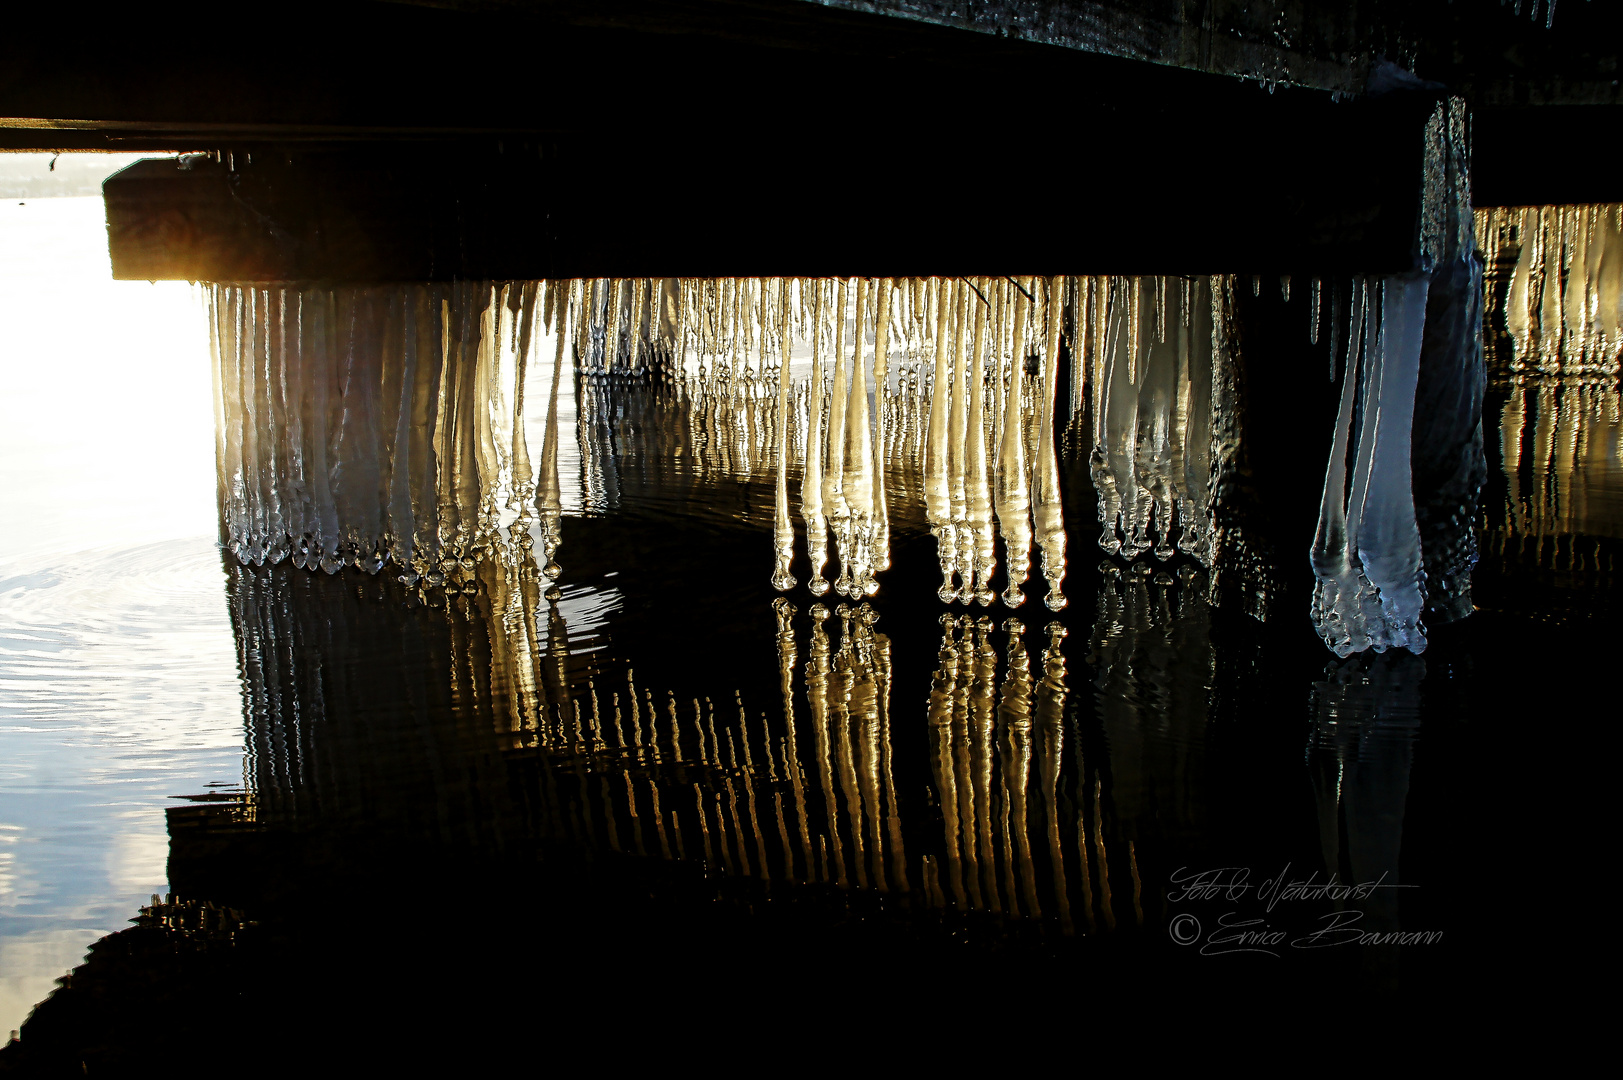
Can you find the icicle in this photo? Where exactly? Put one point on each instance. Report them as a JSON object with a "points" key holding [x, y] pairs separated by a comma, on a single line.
{"points": [[1047, 511], [783, 528], [811, 484], [1012, 493], [880, 548], [1115, 420], [1195, 389], [859, 468], [1388, 538], [839, 513], [957, 494], [977, 491], [937, 489], [1344, 603], [1371, 588], [523, 486], [1152, 453], [548, 497]]}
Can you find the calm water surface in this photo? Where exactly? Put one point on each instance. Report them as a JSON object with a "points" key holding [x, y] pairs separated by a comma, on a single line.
{"points": [[662, 780]]}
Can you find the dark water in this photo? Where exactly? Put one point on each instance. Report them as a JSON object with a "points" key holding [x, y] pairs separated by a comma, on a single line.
{"points": [[668, 809]]}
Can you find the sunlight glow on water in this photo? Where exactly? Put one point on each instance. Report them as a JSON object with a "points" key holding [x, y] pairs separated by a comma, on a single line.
{"points": [[118, 686]]}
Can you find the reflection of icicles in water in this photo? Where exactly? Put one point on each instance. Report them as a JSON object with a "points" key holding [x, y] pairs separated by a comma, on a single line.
{"points": [[1366, 555], [563, 743], [1366, 718], [1556, 286], [1001, 774], [1561, 442]]}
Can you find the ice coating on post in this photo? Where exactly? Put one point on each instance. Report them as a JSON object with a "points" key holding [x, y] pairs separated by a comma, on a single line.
{"points": [[1388, 536], [1344, 602], [1366, 554]]}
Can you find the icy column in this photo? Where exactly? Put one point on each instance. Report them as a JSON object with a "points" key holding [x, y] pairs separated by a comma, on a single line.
{"points": [[548, 494], [1345, 605], [1011, 488], [977, 491], [1195, 411], [811, 485], [937, 485], [1047, 510], [859, 468], [1380, 526], [839, 512], [783, 528], [1388, 536], [957, 450], [880, 546], [1116, 424]]}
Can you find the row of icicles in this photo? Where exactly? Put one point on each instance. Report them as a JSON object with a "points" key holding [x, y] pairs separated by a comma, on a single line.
{"points": [[968, 484], [373, 425], [975, 349]]}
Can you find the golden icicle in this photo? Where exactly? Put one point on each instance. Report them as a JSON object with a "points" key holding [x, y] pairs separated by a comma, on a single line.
{"points": [[1011, 490], [937, 492], [859, 471], [783, 528], [1047, 511], [811, 484]]}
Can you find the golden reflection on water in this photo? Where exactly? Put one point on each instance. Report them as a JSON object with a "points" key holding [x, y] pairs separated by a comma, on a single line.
{"points": [[1561, 442], [804, 793]]}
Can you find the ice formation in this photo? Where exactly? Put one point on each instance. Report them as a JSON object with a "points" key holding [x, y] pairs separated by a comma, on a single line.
{"points": [[385, 425], [365, 425], [864, 423], [1558, 283], [1150, 344], [1366, 552]]}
